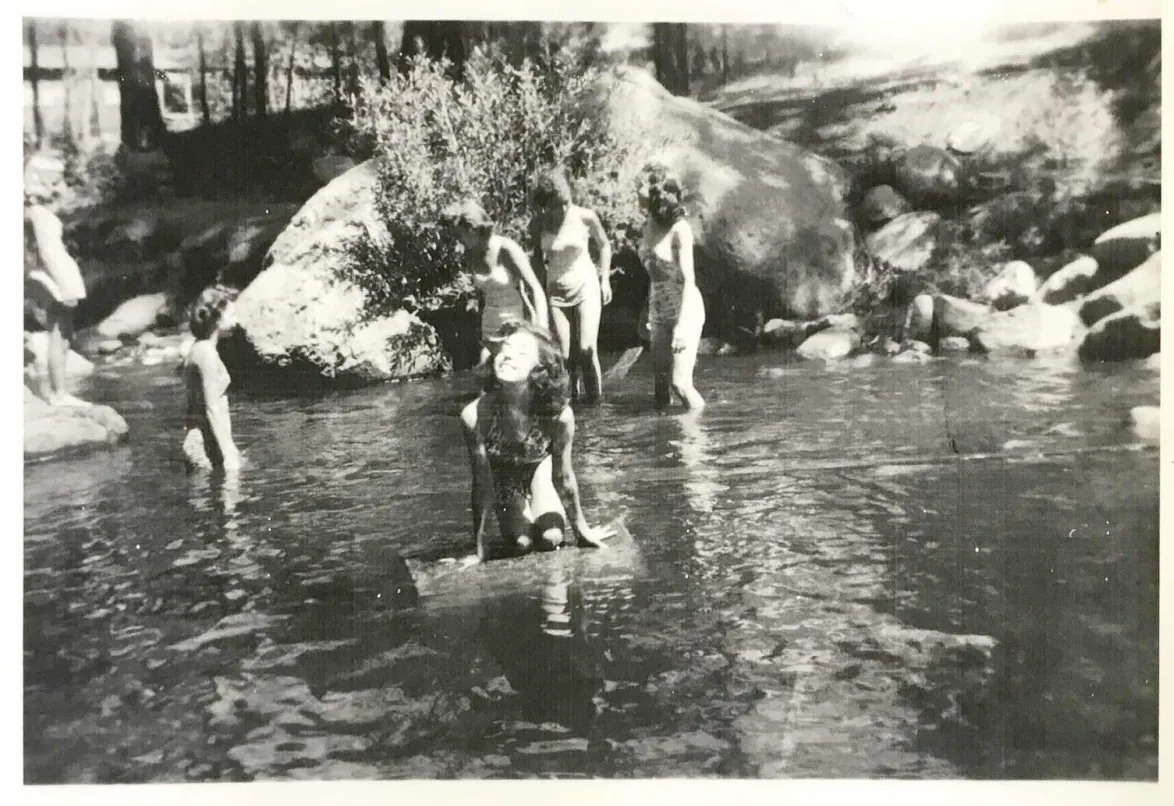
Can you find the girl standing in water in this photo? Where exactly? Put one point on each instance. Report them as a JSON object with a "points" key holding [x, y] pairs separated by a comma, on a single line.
{"points": [[208, 443], [562, 233], [500, 269], [519, 434], [676, 313], [52, 281]]}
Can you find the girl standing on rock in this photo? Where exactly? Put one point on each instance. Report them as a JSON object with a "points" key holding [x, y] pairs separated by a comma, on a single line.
{"points": [[500, 270], [562, 233], [676, 313], [53, 282], [519, 433], [208, 443]]}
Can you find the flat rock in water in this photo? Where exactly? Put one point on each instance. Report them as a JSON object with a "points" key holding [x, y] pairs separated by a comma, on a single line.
{"points": [[954, 316], [51, 432], [954, 344], [830, 345], [1030, 329], [1146, 422]]}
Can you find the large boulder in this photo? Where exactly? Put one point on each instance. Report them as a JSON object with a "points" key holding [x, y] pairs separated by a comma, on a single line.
{"points": [[1069, 283], [881, 205], [1126, 246], [1013, 286], [1029, 330], [954, 316], [772, 226], [1142, 287], [134, 317], [927, 174], [907, 242], [305, 316], [1129, 334], [51, 432]]}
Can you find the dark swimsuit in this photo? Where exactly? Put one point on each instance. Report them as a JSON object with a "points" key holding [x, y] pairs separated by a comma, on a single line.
{"points": [[515, 461]]}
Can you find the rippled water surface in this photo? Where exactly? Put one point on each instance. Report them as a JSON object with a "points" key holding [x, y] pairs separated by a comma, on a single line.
{"points": [[921, 571]]}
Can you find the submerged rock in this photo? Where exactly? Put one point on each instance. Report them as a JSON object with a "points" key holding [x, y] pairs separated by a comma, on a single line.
{"points": [[954, 344], [51, 432], [830, 345]]}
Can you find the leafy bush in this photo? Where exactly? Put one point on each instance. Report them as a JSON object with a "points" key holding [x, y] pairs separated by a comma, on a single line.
{"points": [[489, 137]]}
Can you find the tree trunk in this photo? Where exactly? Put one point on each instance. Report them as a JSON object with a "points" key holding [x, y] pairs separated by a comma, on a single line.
{"points": [[142, 120], [95, 111], [289, 73], [260, 70], [725, 55], [381, 59], [67, 82], [440, 39], [240, 101], [203, 77], [353, 75], [336, 61], [670, 54], [30, 28]]}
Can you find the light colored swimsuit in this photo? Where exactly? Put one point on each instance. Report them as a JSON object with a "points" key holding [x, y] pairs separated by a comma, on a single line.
{"points": [[570, 273], [668, 303], [45, 284], [502, 295]]}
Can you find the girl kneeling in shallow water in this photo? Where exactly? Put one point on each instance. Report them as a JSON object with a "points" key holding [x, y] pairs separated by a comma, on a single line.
{"points": [[208, 442], [519, 434]]}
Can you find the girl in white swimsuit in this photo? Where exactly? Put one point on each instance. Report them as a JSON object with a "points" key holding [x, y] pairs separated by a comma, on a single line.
{"points": [[562, 233], [52, 280], [676, 313], [500, 271]]}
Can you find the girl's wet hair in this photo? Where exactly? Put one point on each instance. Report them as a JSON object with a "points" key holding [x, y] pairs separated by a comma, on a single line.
{"points": [[468, 215], [549, 382], [551, 189], [208, 309], [665, 194]]}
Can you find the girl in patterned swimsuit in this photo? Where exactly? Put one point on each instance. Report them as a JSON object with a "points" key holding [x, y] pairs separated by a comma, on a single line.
{"points": [[562, 233], [500, 269], [519, 434], [676, 313], [208, 441]]}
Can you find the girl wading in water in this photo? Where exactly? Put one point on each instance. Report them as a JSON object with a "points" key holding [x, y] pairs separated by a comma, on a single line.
{"points": [[676, 313], [208, 443], [519, 434], [53, 283], [562, 233], [500, 270]]}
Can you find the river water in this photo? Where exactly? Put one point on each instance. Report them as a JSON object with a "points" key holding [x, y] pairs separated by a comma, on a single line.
{"points": [[944, 570]]}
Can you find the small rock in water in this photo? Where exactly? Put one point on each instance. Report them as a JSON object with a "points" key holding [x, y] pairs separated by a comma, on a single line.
{"points": [[830, 345], [1146, 422], [919, 347], [1154, 362], [148, 338], [911, 357], [954, 344], [109, 346]]}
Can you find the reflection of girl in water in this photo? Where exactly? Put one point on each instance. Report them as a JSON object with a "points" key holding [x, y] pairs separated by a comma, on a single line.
{"points": [[501, 274], [519, 434], [676, 313], [208, 442]]}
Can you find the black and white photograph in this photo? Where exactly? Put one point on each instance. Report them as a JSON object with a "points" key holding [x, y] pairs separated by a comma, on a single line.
{"points": [[455, 399]]}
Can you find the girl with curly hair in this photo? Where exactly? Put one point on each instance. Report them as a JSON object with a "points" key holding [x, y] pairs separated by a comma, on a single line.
{"points": [[675, 311], [52, 280], [562, 233], [500, 271], [519, 433], [208, 442]]}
